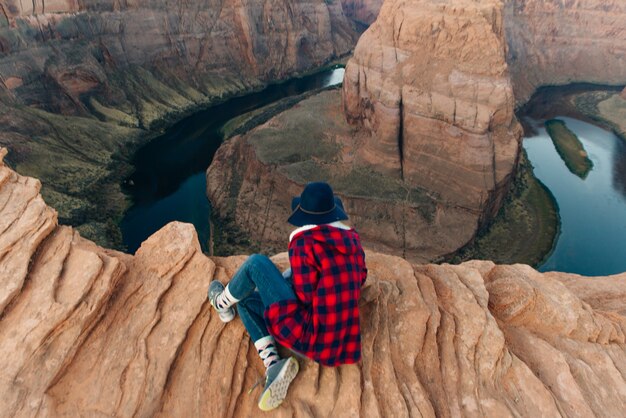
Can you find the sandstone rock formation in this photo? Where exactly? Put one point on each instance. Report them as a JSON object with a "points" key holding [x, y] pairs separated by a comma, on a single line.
{"points": [[429, 82], [92, 332], [429, 93], [554, 42]]}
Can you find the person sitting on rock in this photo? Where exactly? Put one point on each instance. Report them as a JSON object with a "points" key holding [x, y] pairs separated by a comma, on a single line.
{"points": [[314, 308]]}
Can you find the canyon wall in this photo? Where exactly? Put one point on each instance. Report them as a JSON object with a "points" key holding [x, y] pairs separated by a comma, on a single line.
{"points": [[93, 332], [62, 55], [84, 83], [552, 42]]}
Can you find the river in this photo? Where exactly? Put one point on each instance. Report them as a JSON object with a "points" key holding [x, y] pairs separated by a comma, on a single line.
{"points": [[592, 238], [169, 182]]}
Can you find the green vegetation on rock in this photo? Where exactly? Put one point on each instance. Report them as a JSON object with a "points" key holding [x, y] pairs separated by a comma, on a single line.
{"points": [[525, 229], [569, 148]]}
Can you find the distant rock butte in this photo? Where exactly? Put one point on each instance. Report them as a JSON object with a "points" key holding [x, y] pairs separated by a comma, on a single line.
{"points": [[429, 81], [88, 331]]}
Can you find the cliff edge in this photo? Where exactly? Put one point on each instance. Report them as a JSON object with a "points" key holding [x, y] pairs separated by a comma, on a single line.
{"points": [[92, 332]]}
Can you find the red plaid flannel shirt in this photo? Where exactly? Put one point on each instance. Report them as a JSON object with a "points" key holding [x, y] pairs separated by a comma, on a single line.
{"points": [[328, 270]]}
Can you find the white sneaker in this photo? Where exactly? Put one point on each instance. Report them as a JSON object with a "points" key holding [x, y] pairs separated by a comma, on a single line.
{"points": [[278, 378]]}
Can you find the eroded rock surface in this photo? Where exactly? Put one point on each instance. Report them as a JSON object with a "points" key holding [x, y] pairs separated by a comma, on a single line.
{"points": [[91, 332]]}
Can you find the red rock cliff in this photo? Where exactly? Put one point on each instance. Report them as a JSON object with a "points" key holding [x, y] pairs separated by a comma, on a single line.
{"points": [[88, 331]]}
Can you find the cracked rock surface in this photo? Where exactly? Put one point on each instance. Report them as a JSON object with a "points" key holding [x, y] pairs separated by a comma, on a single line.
{"points": [[86, 331]]}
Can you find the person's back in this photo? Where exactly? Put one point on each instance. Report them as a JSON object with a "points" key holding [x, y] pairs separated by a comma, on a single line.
{"points": [[316, 311], [328, 270]]}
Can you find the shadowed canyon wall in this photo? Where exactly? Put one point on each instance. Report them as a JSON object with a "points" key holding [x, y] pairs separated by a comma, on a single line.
{"points": [[93, 332]]}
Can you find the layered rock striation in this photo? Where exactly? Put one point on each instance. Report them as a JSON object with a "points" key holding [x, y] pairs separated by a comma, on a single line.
{"points": [[429, 84], [83, 84], [184, 51], [88, 331]]}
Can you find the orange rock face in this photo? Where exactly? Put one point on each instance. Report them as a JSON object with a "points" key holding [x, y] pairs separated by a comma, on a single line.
{"points": [[429, 82], [87, 331]]}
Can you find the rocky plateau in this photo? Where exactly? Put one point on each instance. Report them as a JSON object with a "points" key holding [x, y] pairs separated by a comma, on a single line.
{"points": [[86, 331]]}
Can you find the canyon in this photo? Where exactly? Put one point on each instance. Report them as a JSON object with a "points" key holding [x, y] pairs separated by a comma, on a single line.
{"points": [[421, 143], [94, 331], [429, 97], [84, 84]]}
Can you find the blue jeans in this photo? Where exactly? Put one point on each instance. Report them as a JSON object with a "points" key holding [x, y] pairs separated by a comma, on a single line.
{"points": [[257, 284]]}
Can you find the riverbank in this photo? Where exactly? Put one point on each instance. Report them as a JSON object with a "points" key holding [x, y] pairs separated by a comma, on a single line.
{"points": [[525, 228]]}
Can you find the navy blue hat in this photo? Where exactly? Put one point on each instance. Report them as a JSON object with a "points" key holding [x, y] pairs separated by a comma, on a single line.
{"points": [[316, 205]]}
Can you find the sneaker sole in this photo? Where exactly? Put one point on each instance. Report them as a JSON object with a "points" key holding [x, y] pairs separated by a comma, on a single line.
{"points": [[275, 394]]}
